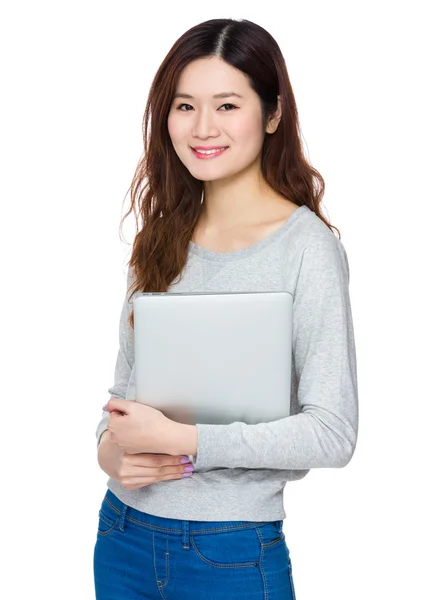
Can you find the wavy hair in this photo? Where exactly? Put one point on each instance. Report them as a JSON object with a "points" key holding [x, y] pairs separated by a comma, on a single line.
{"points": [[163, 191]]}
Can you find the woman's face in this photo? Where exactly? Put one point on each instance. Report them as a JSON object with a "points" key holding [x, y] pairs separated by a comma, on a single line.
{"points": [[202, 120]]}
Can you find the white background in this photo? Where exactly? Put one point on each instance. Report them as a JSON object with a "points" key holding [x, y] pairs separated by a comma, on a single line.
{"points": [[75, 78]]}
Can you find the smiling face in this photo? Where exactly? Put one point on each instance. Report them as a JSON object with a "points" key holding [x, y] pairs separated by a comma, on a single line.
{"points": [[232, 121]]}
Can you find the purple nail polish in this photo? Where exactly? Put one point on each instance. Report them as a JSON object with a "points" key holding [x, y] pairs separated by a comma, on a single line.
{"points": [[186, 475], [184, 460], [189, 468]]}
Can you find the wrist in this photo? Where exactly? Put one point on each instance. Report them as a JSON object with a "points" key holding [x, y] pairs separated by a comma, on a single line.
{"points": [[183, 439]]}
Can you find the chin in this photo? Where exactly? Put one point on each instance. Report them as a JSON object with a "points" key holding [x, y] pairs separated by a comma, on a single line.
{"points": [[210, 178], [197, 174]]}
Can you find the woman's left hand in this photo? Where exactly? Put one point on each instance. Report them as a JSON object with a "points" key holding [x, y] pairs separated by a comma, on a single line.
{"points": [[139, 428]]}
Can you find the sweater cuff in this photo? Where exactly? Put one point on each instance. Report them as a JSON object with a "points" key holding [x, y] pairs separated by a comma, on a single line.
{"points": [[216, 447], [102, 426]]}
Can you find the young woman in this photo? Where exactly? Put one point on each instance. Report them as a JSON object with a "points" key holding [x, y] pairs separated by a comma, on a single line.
{"points": [[228, 203]]}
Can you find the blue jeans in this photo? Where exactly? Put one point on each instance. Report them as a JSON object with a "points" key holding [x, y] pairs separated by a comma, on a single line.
{"points": [[139, 556]]}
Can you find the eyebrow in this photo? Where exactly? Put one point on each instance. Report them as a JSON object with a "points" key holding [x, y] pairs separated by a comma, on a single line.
{"points": [[221, 95]]}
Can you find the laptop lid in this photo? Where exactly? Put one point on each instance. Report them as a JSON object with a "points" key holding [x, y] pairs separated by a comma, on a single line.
{"points": [[214, 357]]}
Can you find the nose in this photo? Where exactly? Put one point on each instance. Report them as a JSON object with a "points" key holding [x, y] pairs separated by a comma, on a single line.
{"points": [[205, 125]]}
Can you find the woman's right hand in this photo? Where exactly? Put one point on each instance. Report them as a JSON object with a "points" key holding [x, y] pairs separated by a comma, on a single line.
{"points": [[134, 471]]}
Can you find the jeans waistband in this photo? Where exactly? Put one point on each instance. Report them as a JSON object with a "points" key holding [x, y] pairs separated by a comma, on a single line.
{"points": [[177, 526]]}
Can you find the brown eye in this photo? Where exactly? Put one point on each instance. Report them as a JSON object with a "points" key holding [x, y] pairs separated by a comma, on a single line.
{"points": [[228, 105], [185, 104]]}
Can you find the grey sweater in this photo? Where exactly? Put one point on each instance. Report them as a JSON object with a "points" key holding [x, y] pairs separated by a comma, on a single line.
{"points": [[241, 469]]}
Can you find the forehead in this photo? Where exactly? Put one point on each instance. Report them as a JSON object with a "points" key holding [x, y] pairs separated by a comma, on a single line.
{"points": [[206, 77]]}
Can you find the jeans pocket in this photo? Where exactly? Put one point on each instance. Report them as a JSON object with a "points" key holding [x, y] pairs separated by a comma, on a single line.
{"points": [[271, 534], [228, 549], [108, 518]]}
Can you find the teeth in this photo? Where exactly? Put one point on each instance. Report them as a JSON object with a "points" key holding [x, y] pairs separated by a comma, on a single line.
{"points": [[210, 151]]}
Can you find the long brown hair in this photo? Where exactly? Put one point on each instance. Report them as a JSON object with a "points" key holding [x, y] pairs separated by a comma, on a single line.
{"points": [[163, 191]]}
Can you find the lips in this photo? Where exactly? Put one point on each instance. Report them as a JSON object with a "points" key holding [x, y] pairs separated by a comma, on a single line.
{"points": [[209, 147], [214, 154]]}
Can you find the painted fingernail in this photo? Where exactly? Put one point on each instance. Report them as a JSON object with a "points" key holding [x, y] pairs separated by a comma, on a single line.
{"points": [[186, 475], [104, 406], [184, 460], [189, 468]]}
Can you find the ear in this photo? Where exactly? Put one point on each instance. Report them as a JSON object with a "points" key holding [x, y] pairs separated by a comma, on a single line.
{"points": [[274, 120]]}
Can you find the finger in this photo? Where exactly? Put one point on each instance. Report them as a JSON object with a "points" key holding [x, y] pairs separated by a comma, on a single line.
{"points": [[136, 482], [159, 460], [132, 469], [130, 451], [140, 465], [133, 465], [115, 404]]}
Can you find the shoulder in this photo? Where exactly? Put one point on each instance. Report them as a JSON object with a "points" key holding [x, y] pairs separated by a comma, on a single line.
{"points": [[309, 229], [312, 233], [319, 248]]}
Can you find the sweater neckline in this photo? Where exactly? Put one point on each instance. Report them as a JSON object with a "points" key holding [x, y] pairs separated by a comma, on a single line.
{"points": [[195, 249]]}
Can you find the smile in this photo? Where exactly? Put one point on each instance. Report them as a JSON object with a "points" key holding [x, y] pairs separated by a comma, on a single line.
{"points": [[204, 154]]}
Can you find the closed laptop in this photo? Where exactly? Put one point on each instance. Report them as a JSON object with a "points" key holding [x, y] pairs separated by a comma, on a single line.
{"points": [[214, 358]]}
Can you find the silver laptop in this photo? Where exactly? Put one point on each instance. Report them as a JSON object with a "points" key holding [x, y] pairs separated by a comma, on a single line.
{"points": [[214, 358]]}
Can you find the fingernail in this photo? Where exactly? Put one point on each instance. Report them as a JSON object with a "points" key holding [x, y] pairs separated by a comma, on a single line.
{"points": [[184, 460], [189, 468], [104, 406], [186, 475]]}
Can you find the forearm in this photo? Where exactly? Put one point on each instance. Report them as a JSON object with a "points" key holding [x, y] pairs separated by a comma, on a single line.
{"points": [[181, 439]]}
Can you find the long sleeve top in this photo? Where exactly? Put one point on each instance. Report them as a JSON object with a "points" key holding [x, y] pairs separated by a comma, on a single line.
{"points": [[241, 469]]}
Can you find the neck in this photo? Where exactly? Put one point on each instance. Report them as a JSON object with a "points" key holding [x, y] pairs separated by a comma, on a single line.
{"points": [[238, 200]]}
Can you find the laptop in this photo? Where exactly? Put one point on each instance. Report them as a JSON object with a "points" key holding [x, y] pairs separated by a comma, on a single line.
{"points": [[214, 358]]}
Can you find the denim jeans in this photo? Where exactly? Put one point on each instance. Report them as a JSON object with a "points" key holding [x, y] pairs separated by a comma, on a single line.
{"points": [[140, 556]]}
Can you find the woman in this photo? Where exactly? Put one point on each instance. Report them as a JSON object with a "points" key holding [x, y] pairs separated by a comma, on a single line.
{"points": [[229, 203]]}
